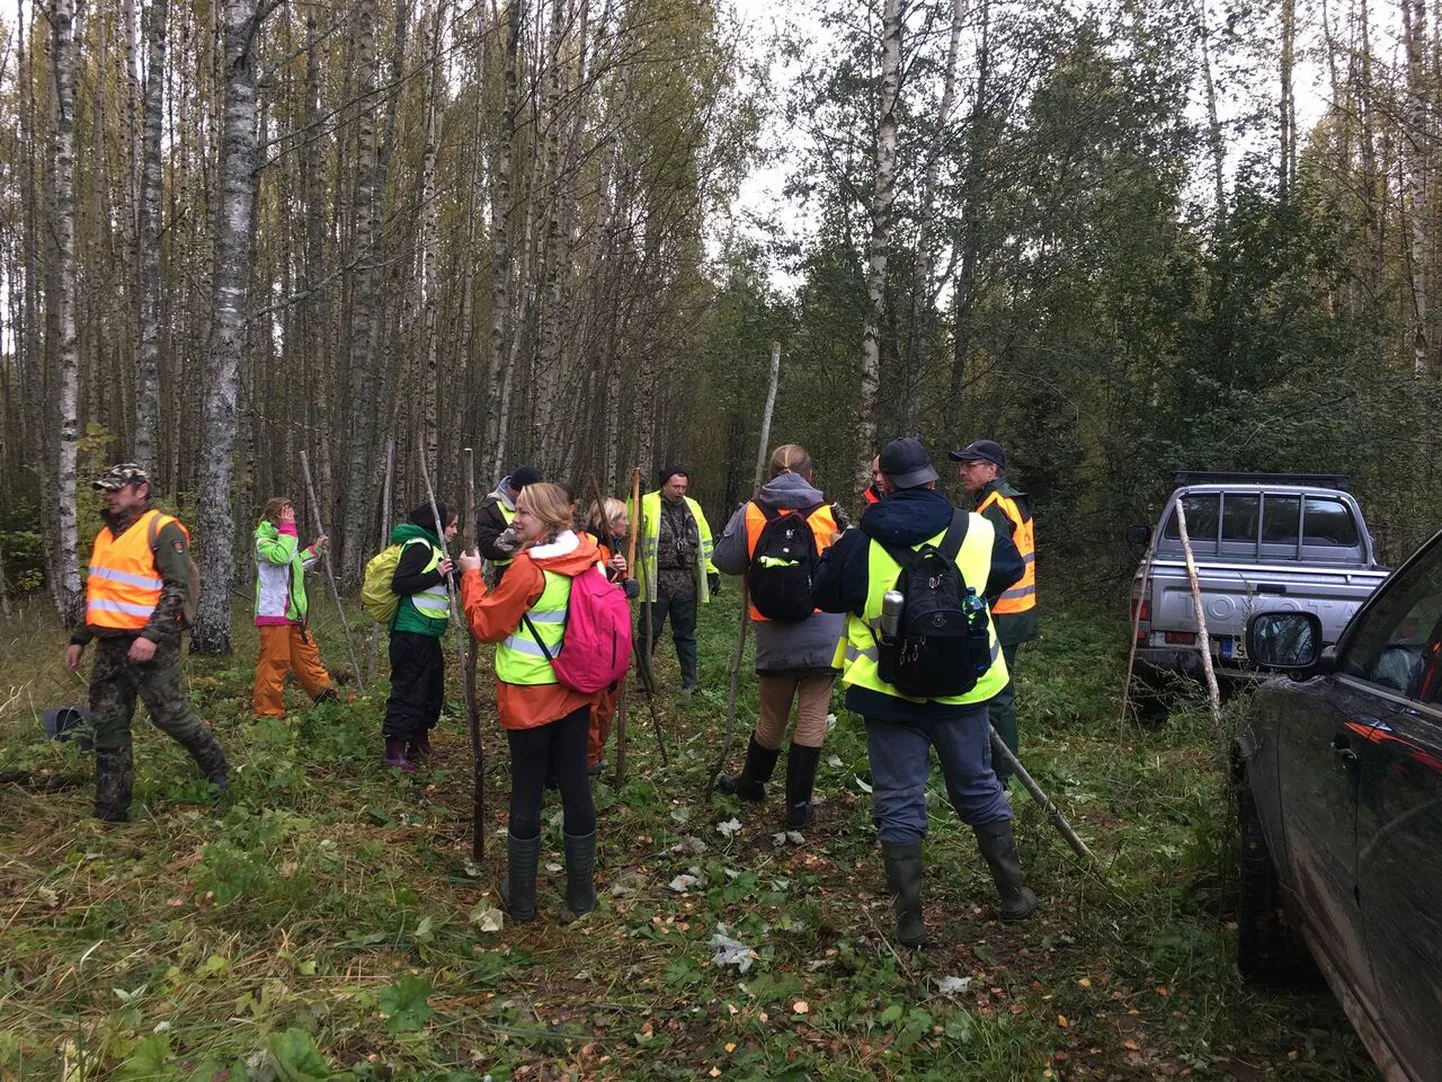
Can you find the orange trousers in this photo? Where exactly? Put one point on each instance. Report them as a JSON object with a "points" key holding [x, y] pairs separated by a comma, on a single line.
{"points": [[286, 648], [602, 714]]}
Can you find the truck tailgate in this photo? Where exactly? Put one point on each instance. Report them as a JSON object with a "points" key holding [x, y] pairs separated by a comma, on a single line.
{"points": [[1231, 593]]}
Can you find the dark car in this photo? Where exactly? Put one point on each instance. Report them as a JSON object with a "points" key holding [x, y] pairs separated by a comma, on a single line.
{"points": [[1340, 807]]}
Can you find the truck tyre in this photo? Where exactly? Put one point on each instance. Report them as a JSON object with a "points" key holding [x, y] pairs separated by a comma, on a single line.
{"points": [[1269, 950]]}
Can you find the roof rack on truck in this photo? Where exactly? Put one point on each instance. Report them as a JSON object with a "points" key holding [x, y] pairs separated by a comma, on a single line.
{"points": [[1341, 481]]}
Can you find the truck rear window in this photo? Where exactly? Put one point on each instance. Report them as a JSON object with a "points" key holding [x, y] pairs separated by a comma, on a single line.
{"points": [[1202, 511], [1328, 522]]}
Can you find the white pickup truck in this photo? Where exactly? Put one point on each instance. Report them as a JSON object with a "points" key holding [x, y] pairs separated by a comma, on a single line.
{"points": [[1262, 542]]}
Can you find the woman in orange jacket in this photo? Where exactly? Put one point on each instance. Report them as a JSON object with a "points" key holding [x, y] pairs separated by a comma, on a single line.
{"points": [[546, 723]]}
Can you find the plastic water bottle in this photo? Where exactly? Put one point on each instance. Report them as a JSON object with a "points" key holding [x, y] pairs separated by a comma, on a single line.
{"points": [[978, 631]]}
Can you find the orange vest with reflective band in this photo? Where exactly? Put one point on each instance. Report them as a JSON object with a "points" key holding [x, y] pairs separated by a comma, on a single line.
{"points": [[124, 586], [822, 527], [1022, 596]]}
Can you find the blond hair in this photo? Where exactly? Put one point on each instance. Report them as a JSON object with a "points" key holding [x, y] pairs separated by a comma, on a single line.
{"points": [[549, 503], [604, 514], [791, 458], [273, 507]]}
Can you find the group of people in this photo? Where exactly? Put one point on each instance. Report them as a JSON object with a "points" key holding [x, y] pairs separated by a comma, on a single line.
{"points": [[515, 591]]}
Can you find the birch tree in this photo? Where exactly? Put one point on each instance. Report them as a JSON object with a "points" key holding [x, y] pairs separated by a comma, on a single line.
{"points": [[233, 257], [62, 29], [879, 246], [147, 382]]}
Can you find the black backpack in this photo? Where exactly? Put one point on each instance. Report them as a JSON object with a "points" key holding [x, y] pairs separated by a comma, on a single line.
{"points": [[779, 578], [943, 643]]}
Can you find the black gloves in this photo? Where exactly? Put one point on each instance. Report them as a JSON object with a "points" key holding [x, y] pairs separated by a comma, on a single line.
{"points": [[713, 580], [838, 515]]}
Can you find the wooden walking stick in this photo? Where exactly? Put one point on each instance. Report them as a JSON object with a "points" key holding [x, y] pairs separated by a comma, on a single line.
{"points": [[329, 570], [999, 748], [740, 653], [1204, 640], [643, 664], [605, 524], [385, 540], [623, 701], [463, 634]]}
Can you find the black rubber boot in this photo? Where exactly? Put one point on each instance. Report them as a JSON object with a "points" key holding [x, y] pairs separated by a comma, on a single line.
{"points": [[750, 784], [114, 779], [581, 873], [206, 751], [801, 763], [903, 876], [518, 889], [998, 846]]}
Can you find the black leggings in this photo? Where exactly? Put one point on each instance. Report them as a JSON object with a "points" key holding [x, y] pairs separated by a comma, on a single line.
{"points": [[559, 748]]}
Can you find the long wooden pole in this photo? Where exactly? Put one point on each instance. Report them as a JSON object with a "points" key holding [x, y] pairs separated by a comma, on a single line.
{"points": [[1204, 640], [772, 379], [1058, 820], [1136, 631], [385, 540], [478, 760], [329, 570], [642, 652], [622, 701]]}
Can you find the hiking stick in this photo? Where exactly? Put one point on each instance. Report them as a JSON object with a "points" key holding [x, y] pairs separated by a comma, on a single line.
{"points": [[740, 654], [1204, 641], [643, 661], [622, 701], [473, 722], [999, 748], [385, 540], [463, 633], [605, 524], [1136, 630], [329, 570]]}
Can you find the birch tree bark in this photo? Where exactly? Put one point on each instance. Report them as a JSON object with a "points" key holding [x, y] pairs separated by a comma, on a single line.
{"points": [[1415, 162], [147, 380], [233, 256], [501, 359], [62, 29], [879, 246]]}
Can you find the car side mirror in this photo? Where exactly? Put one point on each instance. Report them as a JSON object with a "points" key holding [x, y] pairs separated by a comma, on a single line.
{"points": [[1139, 537], [1284, 641]]}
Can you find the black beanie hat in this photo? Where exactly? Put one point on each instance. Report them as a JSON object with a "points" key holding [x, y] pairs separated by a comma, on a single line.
{"points": [[669, 472]]}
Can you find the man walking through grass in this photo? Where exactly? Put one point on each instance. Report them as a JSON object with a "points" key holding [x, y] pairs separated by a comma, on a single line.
{"points": [[137, 596]]}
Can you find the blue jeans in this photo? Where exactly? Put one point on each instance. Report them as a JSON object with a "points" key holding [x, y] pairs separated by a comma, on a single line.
{"points": [[901, 761]]}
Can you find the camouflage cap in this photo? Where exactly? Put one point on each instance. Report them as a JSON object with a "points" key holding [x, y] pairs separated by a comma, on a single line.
{"points": [[118, 476]]}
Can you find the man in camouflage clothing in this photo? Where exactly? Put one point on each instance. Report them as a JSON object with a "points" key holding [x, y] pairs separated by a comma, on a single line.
{"points": [[141, 660]]}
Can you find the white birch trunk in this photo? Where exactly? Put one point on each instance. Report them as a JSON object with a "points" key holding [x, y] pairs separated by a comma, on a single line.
{"points": [[147, 381], [215, 511], [1415, 165], [879, 245], [62, 29]]}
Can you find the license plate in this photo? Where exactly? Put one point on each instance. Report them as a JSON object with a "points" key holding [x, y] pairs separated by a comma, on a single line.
{"points": [[1226, 648]]}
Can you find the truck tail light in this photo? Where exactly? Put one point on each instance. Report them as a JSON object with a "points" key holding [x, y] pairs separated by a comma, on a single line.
{"points": [[1180, 638], [1142, 613]]}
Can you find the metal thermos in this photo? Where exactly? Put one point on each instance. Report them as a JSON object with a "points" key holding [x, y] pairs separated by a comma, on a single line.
{"points": [[892, 603]]}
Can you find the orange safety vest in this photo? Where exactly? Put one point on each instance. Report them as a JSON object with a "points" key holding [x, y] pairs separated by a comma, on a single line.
{"points": [[1022, 596], [124, 586], [821, 523]]}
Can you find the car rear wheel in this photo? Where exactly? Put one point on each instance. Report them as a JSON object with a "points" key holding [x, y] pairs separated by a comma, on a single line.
{"points": [[1269, 950]]}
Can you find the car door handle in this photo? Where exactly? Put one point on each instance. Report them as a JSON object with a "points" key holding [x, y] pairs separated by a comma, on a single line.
{"points": [[1343, 749]]}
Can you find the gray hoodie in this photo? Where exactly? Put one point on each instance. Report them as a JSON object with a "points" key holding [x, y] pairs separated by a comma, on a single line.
{"points": [[783, 649]]}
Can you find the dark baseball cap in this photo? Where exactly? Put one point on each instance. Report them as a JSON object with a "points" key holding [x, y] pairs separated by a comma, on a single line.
{"points": [[981, 451], [118, 476], [906, 463], [522, 476]]}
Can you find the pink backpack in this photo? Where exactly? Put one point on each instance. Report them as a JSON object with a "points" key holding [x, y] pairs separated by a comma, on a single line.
{"points": [[596, 646]]}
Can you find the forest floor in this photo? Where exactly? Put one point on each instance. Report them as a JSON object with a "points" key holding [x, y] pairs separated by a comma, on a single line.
{"points": [[328, 920]]}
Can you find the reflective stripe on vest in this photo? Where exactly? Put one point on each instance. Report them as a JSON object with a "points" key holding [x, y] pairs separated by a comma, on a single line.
{"points": [[123, 586], [508, 515], [974, 562], [435, 600], [519, 659], [821, 523], [1022, 596]]}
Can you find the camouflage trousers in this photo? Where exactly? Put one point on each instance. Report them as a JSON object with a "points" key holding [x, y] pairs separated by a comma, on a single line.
{"points": [[115, 683]]}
